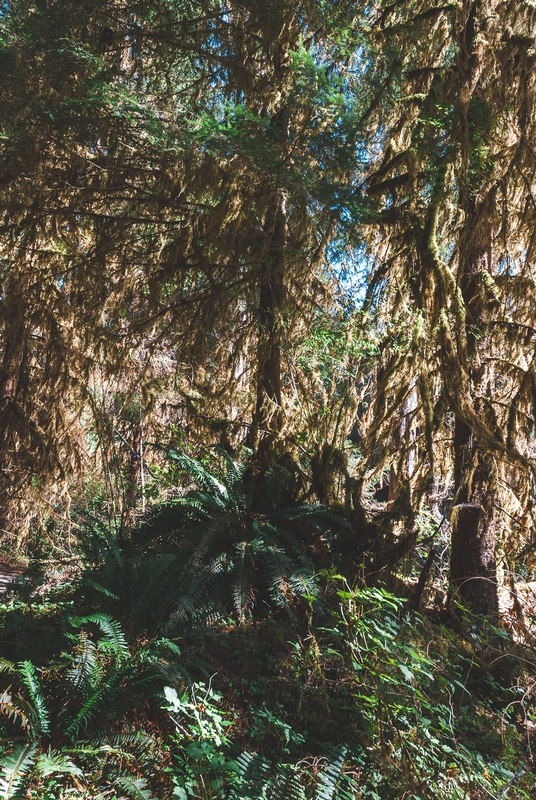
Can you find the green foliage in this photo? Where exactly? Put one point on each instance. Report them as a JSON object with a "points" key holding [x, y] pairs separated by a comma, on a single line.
{"points": [[135, 788], [232, 544], [205, 768], [359, 701], [329, 777], [413, 706], [113, 638], [107, 678], [53, 763], [15, 767], [84, 699], [39, 717]]}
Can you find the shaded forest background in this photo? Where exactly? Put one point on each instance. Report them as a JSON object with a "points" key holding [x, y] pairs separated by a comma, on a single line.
{"points": [[267, 386]]}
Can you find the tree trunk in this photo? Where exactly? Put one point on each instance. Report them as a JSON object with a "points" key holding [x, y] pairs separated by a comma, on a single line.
{"points": [[268, 416], [474, 527], [13, 349], [13, 343], [403, 446], [135, 470], [472, 567]]}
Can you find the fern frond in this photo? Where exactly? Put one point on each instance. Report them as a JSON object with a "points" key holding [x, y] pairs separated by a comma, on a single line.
{"points": [[254, 772], [240, 583], [55, 763], [164, 521], [86, 670], [203, 503], [290, 541], [102, 589], [286, 786], [9, 708], [113, 635], [303, 582], [234, 470], [16, 766], [137, 739], [171, 673], [167, 644], [82, 720], [135, 788], [195, 470], [278, 568], [308, 511], [111, 549], [198, 591], [221, 524], [162, 656], [41, 721], [293, 790], [7, 666], [118, 691], [328, 779]]}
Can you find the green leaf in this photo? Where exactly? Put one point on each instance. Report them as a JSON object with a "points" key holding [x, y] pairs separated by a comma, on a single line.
{"points": [[16, 766], [54, 763], [135, 788], [41, 721]]}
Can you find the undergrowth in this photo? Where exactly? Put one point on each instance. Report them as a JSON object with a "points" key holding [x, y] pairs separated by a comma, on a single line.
{"points": [[212, 656], [356, 698]]}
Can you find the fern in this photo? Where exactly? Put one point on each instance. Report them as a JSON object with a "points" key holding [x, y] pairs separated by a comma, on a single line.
{"points": [[113, 637], [199, 589], [219, 548], [278, 567], [86, 670], [54, 763], [286, 786], [241, 581], [254, 773], [86, 714], [197, 472], [135, 788], [234, 473], [258, 780], [9, 708], [328, 779], [274, 483], [102, 589], [16, 766], [139, 740], [39, 718], [103, 702]]}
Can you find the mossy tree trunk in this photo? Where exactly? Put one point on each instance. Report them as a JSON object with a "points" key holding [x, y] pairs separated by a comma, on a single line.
{"points": [[474, 526], [268, 416], [13, 342]]}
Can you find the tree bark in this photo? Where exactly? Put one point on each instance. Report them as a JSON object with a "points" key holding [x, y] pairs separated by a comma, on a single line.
{"points": [[135, 471], [268, 416], [474, 526], [13, 349]]}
